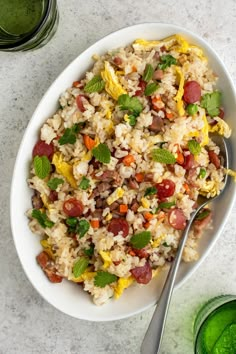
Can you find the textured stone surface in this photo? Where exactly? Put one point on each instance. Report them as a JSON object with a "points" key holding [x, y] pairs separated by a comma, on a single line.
{"points": [[28, 324]]}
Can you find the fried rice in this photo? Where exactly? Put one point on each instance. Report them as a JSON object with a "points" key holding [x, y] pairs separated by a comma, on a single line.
{"points": [[118, 169]]}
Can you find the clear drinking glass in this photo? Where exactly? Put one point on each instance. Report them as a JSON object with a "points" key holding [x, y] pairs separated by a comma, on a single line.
{"points": [[27, 24], [215, 326]]}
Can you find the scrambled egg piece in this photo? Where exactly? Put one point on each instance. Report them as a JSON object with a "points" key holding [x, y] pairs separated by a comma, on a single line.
{"points": [[106, 259], [145, 203], [63, 168], [204, 133], [221, 127], [118, 193], [108, 217], [156, 243], [87, 275], [45, 200], [88, 156], [112, 85], [231, 173], [178, 97], [122, 284], [209, 188], [47, 248], [145, 44]]}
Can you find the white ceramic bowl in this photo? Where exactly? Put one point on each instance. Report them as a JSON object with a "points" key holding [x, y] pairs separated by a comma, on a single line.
{"points": [[68, 297]]}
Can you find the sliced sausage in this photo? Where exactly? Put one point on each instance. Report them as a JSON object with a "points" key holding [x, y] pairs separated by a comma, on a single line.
{"points": [[73, 207], [158, 74], [37, 202], [43, 260], [165, 189], [141, 88], [192, 92], [135, 205], [143, 274], [157, 124], [43, 149], [119, 225], [214, 158], [142, 253], [117, 61], [177, 219], [133, 184], [104, 186], [80, 103], [189, 161], [53, 196]]}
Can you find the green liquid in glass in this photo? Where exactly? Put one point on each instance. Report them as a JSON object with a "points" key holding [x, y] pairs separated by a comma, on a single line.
{"points": [[217, 334], [19, 17]]}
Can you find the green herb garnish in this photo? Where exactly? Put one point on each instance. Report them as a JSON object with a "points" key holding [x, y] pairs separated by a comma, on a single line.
{"points": [[102, 153], [42, 218], [194, 147], [192, 109], [166, 205], [165, 244], [69, 136], [89, 251], [54, 183], [132, 120], [131, 104], [163, 156], [42, 166], [85, 183], [104, 278], [72, 221], [212, 102], [80, 266], [166, 61], [151, 88], [202, 215], [148, 73], [96, 84], [83, 227], [141, 239], [150, 191]]}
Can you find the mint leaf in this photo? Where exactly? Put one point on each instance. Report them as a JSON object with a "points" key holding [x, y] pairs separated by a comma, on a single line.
{"points": [[89, 251], [72, 221], [141, 239], [42, 166], [102, 153], [77, 127], [83, 227], [148, 73], [84, 184], [150, 191], [102, 279], [41, 218], [151, 88], [130, 103], [166, 61], [69, 136], [212, 102], [194, 147], [203, 214], [80, 266], [166, 205], [96, 84], [132, 120], [54, 183], [163, 156]]}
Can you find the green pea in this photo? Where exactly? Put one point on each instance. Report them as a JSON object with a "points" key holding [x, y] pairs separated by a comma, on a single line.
{"points": [[192, 109], [202, 173]]}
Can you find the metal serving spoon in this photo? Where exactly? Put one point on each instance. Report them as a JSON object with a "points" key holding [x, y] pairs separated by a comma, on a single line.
{"points": [[152, 340]]}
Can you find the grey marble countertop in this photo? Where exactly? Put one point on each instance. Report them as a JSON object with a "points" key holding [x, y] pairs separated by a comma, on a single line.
{"points": [[28, 324]]}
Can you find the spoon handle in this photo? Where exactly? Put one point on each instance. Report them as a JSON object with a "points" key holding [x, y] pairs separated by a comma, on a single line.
{"points": [[152, 340]]}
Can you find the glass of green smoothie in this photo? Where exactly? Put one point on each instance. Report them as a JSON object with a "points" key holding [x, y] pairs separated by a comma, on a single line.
{"points": [[27, 24], [215, 326]]}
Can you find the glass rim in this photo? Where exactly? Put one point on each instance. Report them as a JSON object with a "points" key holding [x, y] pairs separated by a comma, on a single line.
{"points": [[228, 299], [31, 34]]}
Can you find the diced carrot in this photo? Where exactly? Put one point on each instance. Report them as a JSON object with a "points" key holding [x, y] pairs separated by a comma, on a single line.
{"points": [[146, 225], [186, 187], [123, 208], [157, 103], [180, 158], [139, 177], [94, 223], [132, 253], [89, 142], [128, 159], [76, 84], [134, 69], [148, 216], [169, 115]]}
